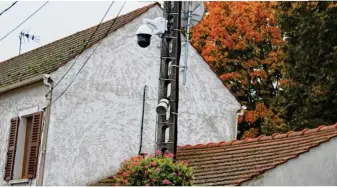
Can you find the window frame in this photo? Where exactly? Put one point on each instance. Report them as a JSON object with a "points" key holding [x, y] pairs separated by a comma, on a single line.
{"points": [[31, 120]]}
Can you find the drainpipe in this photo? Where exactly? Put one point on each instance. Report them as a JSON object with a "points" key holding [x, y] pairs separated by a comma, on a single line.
{"points": [[49, 83], [240, 112]]}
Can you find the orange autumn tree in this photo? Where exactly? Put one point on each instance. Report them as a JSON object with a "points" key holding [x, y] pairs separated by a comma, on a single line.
{"points": [[242, 42]]}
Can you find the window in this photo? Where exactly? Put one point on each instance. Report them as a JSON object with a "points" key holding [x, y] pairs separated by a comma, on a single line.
{"points": [[23, 147]]}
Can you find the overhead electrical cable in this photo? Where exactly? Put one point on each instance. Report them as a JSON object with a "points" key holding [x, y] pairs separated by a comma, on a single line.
{"points": [[24, 20], [84, 47], [106, 34], [8, 8]]}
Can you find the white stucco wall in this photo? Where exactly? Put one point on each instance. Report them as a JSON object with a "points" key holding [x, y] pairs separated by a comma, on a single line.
{"points": [[95, 125], [318, 167], [11, 104]]}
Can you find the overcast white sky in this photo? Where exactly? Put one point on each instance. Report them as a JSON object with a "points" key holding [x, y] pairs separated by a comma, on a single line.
{"points": [[56, 20]]}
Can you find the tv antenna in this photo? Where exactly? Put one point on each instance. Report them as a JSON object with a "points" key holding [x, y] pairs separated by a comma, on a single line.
{"points": [[191, 14], [25, 36]]}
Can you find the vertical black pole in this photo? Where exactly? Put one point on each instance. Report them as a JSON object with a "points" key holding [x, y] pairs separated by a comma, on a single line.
{"points": [[142, 124], [169, 74]]}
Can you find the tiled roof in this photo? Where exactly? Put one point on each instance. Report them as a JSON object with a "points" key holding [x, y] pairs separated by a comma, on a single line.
{"points": [[232, 163], [50, 57]]}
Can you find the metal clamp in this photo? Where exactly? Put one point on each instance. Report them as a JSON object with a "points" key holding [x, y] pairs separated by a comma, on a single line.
{"points": [[178, 66], [163, 79], [168, 57], [165, 123]]}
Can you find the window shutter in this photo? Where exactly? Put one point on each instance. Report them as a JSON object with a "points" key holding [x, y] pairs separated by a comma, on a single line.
{"points": [[34, 145], [11, 149]]}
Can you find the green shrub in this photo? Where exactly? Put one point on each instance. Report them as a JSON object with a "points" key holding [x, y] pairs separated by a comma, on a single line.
{"points": [[153, 170]]}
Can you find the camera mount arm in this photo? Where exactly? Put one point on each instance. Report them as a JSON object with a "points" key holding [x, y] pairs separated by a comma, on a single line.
{"points": [[157, 25]]}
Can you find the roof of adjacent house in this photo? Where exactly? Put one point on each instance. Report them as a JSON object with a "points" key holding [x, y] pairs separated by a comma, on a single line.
{"points": [[232, 163], [50, 57]]}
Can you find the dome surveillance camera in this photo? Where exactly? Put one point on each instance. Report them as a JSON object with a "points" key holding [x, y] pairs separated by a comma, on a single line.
{"points": [[156, 26], [144, 34]]}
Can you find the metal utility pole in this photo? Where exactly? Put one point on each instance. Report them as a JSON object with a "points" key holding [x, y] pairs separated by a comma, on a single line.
{"points": [[168, 93]]}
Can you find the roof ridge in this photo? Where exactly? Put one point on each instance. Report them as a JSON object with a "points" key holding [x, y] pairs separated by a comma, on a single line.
{"points": [[87, 29], [260, 138], [49, 57]]}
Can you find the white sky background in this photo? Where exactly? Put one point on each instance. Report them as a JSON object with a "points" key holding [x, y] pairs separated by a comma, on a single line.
{"points": [[56, 20]]}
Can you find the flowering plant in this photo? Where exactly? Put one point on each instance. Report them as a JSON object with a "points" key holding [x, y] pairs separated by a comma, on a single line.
{"points": [[153, 170]]}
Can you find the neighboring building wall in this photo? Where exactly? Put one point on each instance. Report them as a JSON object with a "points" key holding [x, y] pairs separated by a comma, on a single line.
{"points": [[318, 167], [11, 104], [95, 125]]}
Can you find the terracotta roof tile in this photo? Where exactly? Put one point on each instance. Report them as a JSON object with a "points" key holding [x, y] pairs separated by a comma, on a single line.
{"points": [[237, 161], [50, 57], [232, 163]]}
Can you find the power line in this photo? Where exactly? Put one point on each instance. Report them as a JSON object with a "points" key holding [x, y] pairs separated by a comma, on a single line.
{"points": [[85, 46], [25, 20], [8, 8], [106, 34]]}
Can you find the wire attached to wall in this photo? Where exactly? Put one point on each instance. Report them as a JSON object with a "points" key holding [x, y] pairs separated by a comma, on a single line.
{"points": [[84, 47], [98, 44]]}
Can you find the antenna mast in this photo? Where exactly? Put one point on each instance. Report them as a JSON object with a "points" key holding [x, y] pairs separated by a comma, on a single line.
{"points": [[192, 13], [24, 35]]}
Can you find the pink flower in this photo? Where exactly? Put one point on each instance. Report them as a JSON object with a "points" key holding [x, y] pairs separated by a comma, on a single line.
{"points": [[146, 172], [179, 173], [146, 167], [158, 152], [169, 155], [153, 164], [124, 174], [116, 184], [147, 184], [158, 170], [166, 182]]}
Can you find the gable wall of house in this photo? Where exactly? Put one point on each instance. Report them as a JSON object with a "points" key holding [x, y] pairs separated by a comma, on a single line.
{"points": [[318, 167], [95, 125], [15, 102]]}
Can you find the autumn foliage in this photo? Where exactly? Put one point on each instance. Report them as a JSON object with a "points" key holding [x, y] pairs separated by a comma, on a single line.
{"points": [[242, 43]]}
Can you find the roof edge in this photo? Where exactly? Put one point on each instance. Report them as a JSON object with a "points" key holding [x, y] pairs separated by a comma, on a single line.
{"points": [[21, 84], [36, 78], [70, 35], [260, 138]]}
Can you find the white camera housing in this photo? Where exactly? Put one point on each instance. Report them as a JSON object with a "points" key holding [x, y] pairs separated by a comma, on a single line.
{"points": [[157, 26], [163, 106]]}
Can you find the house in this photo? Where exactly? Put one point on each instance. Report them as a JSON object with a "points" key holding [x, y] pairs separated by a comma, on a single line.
{"points": [[52, 137], [303, 158]]}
